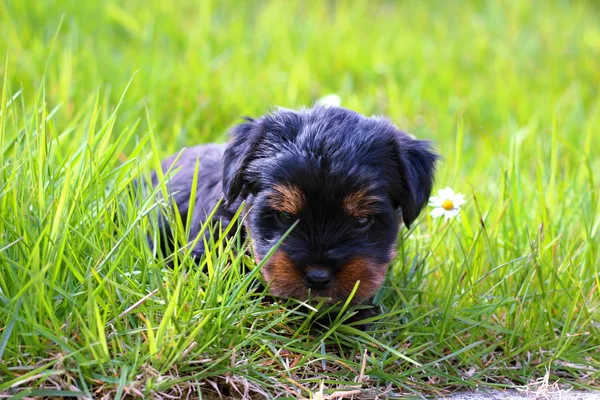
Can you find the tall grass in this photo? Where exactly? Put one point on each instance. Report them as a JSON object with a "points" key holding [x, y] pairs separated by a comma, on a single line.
{"points": [[95, 94]]}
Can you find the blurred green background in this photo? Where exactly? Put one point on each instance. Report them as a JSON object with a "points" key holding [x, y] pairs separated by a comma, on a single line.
{"points": [[201, 65]]}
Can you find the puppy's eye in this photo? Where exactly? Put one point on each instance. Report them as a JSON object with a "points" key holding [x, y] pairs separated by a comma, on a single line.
{"points": [[284, 217], [363, 223]]}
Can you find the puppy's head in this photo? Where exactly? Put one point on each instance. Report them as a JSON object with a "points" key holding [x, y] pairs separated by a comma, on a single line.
{"points": [[345, 178]]}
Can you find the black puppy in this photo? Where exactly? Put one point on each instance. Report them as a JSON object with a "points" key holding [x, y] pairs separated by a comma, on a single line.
{"points": [[350, 181]]}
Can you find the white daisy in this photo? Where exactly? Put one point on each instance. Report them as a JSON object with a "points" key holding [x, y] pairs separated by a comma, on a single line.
{"points": [[331, 100], [446, 203]]}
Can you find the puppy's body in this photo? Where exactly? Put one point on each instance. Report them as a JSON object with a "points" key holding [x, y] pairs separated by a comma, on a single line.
{"points": [[344, 177], [209, 190]]}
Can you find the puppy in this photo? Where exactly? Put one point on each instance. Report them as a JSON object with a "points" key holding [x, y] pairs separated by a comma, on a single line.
{"points": [[350, 182]]}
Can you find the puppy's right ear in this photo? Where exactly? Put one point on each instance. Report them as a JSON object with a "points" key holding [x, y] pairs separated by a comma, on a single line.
{"points": [[240, 151], [417, 168]]}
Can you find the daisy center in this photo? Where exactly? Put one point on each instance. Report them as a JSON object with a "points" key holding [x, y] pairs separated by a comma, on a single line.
{"points": [[448, 205]]}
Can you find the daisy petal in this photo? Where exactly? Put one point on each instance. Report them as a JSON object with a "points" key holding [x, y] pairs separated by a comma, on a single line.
{"points": [[437, 212], [435, 201], [446, 193], [451, 214], [459, 199]]}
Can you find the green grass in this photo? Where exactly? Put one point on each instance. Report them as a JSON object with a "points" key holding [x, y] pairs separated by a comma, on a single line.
{"points": [[95, 93]]}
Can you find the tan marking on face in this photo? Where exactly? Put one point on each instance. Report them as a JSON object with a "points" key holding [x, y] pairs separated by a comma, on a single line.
{"points": [[370, 274], [286, 198], [283, 277], [360, 204]]}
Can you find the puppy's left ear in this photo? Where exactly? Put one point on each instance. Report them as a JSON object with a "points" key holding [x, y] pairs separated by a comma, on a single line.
{"points": [[417, 170], [243, 140]]}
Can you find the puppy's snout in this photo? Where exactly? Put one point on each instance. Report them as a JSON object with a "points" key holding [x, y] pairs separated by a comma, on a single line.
{"points": [[318, 278]]}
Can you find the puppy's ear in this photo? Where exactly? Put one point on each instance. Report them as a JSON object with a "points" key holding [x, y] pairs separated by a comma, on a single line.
{"points": [[417, 169], [238, 154]]}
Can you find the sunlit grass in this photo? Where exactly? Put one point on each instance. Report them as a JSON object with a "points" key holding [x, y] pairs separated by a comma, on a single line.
{"points": [[95, 94]]}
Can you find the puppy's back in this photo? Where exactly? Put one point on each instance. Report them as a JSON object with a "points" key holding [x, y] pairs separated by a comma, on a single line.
{"points": [[180, 168]]}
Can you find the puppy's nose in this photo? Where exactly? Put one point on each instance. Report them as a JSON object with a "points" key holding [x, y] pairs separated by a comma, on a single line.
{"points": [[318, 278]]}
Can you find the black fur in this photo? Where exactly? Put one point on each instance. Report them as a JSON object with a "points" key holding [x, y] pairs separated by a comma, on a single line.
{"points": [[328, 153], [209, 191]]}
